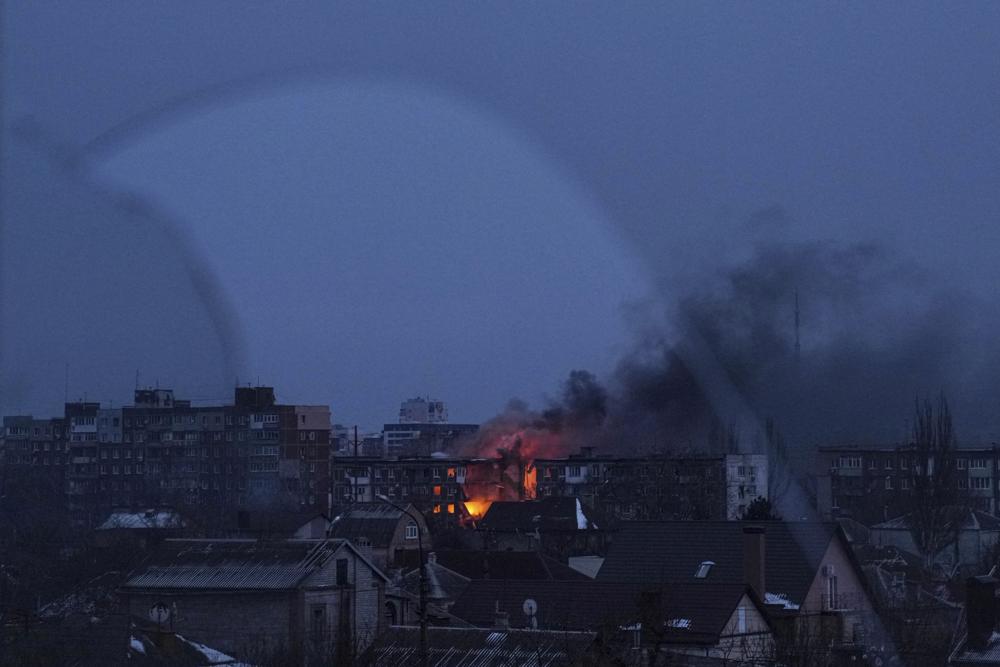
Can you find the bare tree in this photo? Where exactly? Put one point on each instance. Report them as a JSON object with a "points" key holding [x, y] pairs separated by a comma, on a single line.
{"points": [[934, 506]]}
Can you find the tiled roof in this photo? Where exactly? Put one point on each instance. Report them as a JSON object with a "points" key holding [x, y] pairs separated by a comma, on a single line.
{"points": [[149, 519], [671, 551], [468, 647], [374, 521], [232, 564], [970, 520], [505, 565], [692, 613], [554, 513]]}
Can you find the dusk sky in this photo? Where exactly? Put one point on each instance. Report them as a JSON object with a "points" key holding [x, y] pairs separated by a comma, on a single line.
{"points": [[463, 201]]}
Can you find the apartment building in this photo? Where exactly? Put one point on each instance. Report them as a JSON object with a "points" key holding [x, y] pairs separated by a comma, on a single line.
{"points": [[657, 486], [873, 484], [161, 450]]}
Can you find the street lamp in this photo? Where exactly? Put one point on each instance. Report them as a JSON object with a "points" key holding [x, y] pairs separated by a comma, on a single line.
{"points": [[423, 580]]}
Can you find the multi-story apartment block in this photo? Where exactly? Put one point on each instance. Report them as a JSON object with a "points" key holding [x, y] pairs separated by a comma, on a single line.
{"points": [[164, 451], [35, 443], [423, 411], [657, 486], [619, 487], [436, 485], [874, 484], [424, 439]]}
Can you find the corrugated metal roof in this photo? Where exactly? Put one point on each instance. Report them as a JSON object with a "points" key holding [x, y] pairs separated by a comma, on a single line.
{"points": [[466, 647], [232, 564]]}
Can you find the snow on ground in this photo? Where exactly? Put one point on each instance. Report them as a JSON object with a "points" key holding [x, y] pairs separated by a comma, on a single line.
{"points": [[137, 645]]}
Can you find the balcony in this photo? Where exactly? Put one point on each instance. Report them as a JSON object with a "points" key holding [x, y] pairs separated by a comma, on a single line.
{"points": [[843, 602]]}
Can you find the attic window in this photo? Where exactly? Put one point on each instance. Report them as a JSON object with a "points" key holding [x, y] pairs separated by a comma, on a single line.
{"points": [[704, 569]]}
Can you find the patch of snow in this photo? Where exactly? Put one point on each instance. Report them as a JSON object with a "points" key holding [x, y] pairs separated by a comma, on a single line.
{"points": [[780, 598], [682, 623], [213, 656], [136, 645], [581, 520]]}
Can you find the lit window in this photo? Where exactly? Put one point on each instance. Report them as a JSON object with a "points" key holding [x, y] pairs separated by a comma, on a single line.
{"points": [[437, 509], [411, 531], [451, 508]]}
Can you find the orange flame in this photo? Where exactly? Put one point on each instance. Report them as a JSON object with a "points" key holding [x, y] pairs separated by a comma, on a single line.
{"points": [[477, 508]]}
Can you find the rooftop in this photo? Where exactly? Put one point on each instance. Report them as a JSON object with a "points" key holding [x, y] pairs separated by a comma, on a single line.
{"points": [[554, 513], [688, 612], [672, 551], [232, 564], [468, 647]]}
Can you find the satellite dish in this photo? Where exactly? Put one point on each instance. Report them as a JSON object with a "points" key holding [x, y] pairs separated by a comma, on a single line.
{"points": [[159, 613], [530, 607]]}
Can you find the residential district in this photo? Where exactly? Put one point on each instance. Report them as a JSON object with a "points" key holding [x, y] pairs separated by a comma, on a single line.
{"points": [[253, 532]]}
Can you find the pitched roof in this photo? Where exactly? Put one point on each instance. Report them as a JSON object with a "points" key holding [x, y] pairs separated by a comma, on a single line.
{"points": [[690, 613], [504, 565], [376, 522], [554, 513], [468, 647], [671, 551], [148, 519], [235, 564], [971, 519]]}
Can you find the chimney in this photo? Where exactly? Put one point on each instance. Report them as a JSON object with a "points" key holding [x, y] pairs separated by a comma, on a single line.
{"points": [[980, 611], [754, 559]]}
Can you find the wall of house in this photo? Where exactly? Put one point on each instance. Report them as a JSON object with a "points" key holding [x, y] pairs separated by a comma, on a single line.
{"points": [[364, 597], [755, 641], [854, 611], [399, 541], [236, 623]]}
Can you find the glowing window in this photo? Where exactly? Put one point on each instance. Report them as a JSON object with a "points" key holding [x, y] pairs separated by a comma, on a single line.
{"points": [[451, 508], [437, 509], [437, 490]]}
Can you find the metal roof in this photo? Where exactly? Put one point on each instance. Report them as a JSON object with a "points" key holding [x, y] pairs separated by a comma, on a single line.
{"points": [[233, 564]]}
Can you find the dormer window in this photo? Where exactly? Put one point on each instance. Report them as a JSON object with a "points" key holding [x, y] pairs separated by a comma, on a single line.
{"points": [[704, 569]]}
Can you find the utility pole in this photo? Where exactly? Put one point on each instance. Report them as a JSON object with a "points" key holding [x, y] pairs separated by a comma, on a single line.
{"points": [[798, 341]]}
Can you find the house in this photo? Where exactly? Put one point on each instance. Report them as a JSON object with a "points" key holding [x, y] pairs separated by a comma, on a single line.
{"points": [[450, 571], [634, 621], [560, 526], [253, 598], [465, 647], [805, 572], [390, 533], [139, 528], [971, 541], [979, 645]]}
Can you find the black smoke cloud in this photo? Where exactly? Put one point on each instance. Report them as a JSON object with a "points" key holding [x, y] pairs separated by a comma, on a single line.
{"points": [[875, 330]]}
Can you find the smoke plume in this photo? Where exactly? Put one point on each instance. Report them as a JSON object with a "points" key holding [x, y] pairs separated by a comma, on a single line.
{"points": [[828, 341]]}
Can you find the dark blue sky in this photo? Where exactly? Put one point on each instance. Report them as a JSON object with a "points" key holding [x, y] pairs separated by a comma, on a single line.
{"points": [[457, 199]]}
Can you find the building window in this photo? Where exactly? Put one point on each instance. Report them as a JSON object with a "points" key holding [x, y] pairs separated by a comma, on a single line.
{"points": [[451, 508], [960, 464], [703, 569], [574, 471], [411, 531], [978, 464], [341, 571], [888, 483], [981, 483], [318, 621], [741, 620], [963, 483], [904, 483]]}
